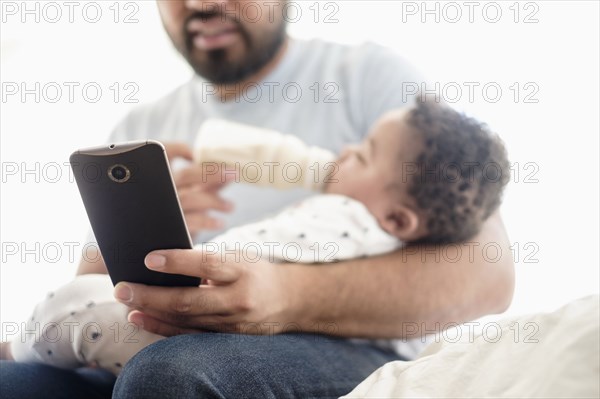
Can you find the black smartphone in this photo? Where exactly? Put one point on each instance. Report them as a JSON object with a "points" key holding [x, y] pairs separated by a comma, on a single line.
{"points": [[132, 204]]}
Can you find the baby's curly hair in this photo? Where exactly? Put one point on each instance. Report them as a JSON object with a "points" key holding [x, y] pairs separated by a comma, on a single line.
{"points": [[460, 173]]}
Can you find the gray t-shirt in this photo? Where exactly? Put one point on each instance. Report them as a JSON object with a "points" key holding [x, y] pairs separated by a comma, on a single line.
{"points": [[327, 94]]}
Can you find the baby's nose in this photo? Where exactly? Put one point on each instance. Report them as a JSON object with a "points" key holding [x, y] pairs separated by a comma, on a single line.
{"points": [[349, 149], [346, 152]]}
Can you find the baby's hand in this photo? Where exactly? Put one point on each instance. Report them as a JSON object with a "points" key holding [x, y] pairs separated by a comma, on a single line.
{"points": [[198, 188], [5, 353]]}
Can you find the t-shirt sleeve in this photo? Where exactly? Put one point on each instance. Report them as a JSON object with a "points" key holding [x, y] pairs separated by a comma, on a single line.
{"points": [[126, 128], [385, 81], [119, 133]]}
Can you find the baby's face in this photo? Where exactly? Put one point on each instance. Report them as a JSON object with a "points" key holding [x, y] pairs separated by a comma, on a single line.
{"points": [[370, 172]]}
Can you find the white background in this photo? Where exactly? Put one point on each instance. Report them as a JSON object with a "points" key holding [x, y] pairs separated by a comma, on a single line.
{"points": [[550, 209]]}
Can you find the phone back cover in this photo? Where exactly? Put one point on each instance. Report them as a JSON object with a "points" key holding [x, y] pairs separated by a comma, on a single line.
{"points": [[133, 218]]}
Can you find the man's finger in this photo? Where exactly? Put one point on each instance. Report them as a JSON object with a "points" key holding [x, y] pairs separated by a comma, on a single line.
{"points": [[176, 149], [199, 221], [175, 304], [161, 327], [156, 326], [194, 200], [206, 178], [206, 263]]}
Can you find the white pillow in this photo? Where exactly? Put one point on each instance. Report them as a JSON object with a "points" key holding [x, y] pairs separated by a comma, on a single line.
{"points": [[559, 359]]}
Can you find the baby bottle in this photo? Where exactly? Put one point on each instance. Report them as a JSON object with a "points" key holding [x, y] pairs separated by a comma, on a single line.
{"points": [[262, 156]]}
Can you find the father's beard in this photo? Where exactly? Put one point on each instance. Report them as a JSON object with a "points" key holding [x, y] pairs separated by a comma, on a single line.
{"points": [[217, 66]]}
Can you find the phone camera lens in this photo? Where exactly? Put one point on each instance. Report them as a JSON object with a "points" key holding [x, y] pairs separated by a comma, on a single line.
{"points": [[119, 173]]}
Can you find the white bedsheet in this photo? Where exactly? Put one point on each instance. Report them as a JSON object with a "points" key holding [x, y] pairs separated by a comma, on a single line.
{"points": [[564, 362]]}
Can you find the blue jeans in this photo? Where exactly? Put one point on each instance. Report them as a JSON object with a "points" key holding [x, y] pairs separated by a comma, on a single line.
{"points": [[34, 380], [212, 365]]}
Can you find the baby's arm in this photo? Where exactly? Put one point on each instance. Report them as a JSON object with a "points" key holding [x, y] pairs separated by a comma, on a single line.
{"points": [[81, 324], [324, 228]]}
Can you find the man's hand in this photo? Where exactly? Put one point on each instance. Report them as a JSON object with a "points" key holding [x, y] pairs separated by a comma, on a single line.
{"points": [[404, 294], [237, 296], [198, 189], [5, 352]]}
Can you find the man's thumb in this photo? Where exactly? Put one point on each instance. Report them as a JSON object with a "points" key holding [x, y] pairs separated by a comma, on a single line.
{"points": [[178, 150]]}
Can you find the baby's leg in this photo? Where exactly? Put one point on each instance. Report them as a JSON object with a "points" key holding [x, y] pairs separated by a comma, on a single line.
{"points": [[81, 324]]}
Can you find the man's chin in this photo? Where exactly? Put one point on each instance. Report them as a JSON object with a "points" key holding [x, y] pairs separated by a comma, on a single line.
{"points": [[232, 64], [220, 66], [222, 72]]}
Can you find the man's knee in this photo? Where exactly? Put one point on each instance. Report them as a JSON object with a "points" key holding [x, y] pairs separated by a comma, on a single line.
{"points": [[215, 365], [189, 365]]}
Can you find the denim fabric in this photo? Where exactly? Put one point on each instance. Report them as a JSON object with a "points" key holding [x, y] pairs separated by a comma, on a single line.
{"points": [[246, 366], [213, 365], [33, 381]]}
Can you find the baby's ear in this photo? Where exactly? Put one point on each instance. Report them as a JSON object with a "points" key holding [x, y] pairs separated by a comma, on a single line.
{"points": [[402, 222]]}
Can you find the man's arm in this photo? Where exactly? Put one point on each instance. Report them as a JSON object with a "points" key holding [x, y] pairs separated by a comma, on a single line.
{"points": [[400, 295], [388, 296]]}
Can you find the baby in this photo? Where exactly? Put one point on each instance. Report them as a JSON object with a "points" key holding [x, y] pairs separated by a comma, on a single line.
{"points": [[424, 175]]}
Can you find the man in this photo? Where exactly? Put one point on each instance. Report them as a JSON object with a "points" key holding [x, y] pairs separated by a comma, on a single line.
{"points": [[249, 71]]}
